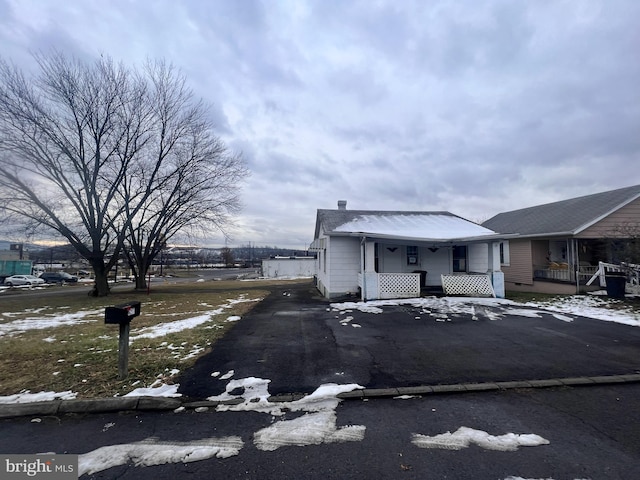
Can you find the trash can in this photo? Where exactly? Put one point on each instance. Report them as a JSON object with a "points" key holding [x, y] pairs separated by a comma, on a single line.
{"points": [[423, 277], [616, 282]]}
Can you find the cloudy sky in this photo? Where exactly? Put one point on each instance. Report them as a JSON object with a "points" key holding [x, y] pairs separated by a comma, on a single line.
{"points": [[475, 107]]}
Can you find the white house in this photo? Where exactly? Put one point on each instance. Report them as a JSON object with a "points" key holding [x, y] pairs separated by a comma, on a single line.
{"points": [[396, 254]]}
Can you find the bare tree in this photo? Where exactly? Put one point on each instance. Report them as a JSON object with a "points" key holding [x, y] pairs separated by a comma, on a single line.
{"points": [[113, 159], [227, 256], [624, 242]]}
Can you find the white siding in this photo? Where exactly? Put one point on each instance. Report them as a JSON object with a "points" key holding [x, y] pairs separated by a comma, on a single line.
{"points": [[478, 257], [322, 270], [343, 258]]}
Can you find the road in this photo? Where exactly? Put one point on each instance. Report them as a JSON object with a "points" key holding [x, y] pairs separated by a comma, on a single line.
{"points": [[592, 433], [185, 276]]}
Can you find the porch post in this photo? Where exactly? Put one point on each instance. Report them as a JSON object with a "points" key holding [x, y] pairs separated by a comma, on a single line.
{"points": [[497, 276], [368, 269], [363, 287], [576, 262]]}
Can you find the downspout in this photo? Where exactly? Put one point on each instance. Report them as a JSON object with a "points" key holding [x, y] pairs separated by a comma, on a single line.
{"points": [[577, 264], [362, 272]]}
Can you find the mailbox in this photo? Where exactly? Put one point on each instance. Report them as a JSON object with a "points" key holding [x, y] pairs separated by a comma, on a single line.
{"points": [[121, 314]]}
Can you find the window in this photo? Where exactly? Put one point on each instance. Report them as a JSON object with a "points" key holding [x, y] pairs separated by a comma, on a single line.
{"points": [[412, 255], [459, 259]]}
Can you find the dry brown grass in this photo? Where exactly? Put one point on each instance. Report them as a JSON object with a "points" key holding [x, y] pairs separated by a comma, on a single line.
{"points": [[83, 356]]}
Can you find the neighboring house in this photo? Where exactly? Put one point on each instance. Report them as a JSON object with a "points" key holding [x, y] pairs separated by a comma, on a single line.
{"points": [[559, 244], [288, 267], [396, 254]]}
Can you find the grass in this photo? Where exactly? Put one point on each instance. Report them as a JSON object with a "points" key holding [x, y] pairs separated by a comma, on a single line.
{"points": [[83, 356]]}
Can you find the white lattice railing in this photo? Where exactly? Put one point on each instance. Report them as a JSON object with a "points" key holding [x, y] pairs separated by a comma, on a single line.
{"points": [[398, 285], [469, 285]]}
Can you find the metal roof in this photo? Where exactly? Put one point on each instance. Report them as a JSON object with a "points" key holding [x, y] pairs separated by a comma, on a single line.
{"points": [[567, 217], [429, 226]]}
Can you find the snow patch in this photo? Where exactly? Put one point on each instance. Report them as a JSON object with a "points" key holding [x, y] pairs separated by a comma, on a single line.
{"points": [[157, 389], [465, 437], [309, 429], [153, 452], [163, 329], [27, 397], [39, 323], [317, 425]]}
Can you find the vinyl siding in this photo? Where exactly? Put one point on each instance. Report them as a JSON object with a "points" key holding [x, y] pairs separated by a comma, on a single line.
{"points": [[608, 227], [322, 272], [478, 254], [520, 269], [344, 265]]}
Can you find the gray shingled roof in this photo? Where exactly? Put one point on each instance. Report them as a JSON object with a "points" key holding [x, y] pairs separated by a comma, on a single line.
{"points": [[567, 216]]}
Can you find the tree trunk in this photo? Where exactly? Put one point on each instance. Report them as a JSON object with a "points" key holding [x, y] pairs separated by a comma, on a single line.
{"points": [[143, 270], [101, 286], [141, 282]]}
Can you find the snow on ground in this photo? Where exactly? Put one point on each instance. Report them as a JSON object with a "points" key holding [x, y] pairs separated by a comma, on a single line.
{"points": [[152, 452], [317, 425], [52, 320], [162, 329], [465, 437], [564, 308], [26, 397], [157, 389]]}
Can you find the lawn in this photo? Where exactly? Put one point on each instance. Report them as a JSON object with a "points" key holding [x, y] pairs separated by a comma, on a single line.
{"points": [[61, 343]]}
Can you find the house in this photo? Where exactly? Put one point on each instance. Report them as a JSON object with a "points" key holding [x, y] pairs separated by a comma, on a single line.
{"points": [[398, 254], [560, 244]]}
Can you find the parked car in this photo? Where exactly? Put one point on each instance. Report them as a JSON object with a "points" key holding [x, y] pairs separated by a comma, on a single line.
{"points": [[23, 280], [58, 277]]}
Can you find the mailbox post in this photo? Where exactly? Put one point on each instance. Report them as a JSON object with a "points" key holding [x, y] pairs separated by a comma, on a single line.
{"points": [[122, 315]]}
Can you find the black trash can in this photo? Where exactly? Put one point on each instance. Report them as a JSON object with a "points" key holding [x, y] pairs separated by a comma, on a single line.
{"points": [[616, 282], [423, 277]]}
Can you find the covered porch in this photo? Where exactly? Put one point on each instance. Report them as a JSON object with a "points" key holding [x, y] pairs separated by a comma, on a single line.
{"points": [[395, 268], [570, 260]]}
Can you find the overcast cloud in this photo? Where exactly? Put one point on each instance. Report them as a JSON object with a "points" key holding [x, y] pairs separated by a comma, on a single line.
{"points": [[475, 107]]}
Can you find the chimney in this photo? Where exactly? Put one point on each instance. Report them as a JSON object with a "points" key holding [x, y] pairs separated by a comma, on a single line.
{"points": [[342, 204]]}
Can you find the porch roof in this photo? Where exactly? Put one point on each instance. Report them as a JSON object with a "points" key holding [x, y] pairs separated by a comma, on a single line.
{"points": [[417, 226]]}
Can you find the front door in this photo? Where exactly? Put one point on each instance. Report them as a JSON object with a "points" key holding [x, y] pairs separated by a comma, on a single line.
{"points": [[391, 259]]}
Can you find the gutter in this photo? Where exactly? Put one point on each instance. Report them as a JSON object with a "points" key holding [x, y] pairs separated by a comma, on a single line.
{"points": [[383, 236]]}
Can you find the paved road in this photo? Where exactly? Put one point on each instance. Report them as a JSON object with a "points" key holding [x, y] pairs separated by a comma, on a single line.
{"points": [[185, 276], [295, 339], [592, 433]]}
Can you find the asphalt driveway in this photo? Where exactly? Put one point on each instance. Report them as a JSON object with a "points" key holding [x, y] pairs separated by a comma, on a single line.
{"points": [[298, 341]]}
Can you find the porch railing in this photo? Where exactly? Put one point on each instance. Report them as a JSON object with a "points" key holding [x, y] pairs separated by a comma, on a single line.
{"points": [[385, 286], [468, 285], [398, 285], [562, 272], [553, 271]]}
